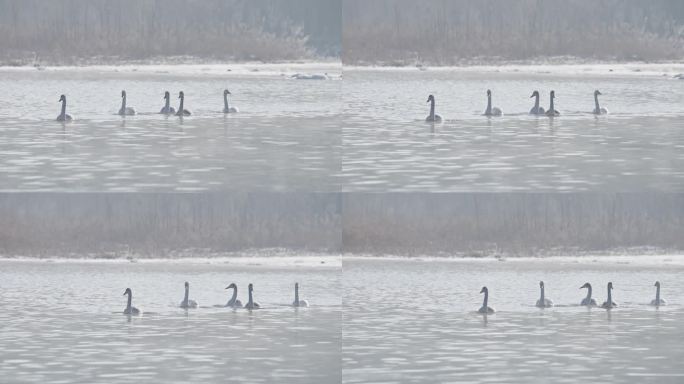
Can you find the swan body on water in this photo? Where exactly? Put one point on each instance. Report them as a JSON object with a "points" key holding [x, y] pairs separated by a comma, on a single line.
{"points": [[130, 310], [432, 117], [552, 111], [182, 111], [226, 108], [251, 304], [597, 108], [536, 110], [491, 111], [234, 302], [609, 303], [63, 116], [125, 111], [297, 302], [167, 109], [658, 301], [543, 302], [485, 309], [588, 301], [187, 303]]}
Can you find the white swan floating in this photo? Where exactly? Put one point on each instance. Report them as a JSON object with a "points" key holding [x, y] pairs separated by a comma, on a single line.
{"points": [[234, 302], [251, 304], [187, 303], [552, 111], [543, 302], [167, 109], [609, 303], [125, 111], [536, 110], [597, 109], [485, 309], [297, 302], [432, 117], [226, 108], [182, 111], [491, 111], [130, 310], [63, 116], [658, 301], [588, 301]]}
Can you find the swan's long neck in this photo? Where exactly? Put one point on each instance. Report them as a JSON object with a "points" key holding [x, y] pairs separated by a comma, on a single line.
{"points": [[63, 108], [658, 294], [130, 300], [610, 299], [542, 295], [225, 101], [536, 102], [167, 103], [123, 103], [486, 299], [250, 301], [589, 293], [187, 295], [180, 107], [234, 297], [432, 109], [489, 104], [551, 106], [598, 109], [296, 294]]}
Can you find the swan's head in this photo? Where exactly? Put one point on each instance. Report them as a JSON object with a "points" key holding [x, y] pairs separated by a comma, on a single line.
{"points": [[553, 94], [226, 92], [250, 287], [187, 285], [431, 98], [597, 92], [127, 292], [657, 284], [296, 286], [489, 92], [541, 284], [232, 285], [586, 285], [535, 94], [123, 93], [167, 95], [62, 98], [181, 95], [484, 290], [610, 285]]}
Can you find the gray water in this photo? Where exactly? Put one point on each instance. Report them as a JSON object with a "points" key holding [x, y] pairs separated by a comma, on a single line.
{"points": [[63, 322], [416, 322]]}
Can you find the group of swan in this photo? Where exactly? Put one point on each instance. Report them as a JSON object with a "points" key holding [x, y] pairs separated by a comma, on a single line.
{"points": [[234, 302], [492, 111], [166, 110], [588, 301]]}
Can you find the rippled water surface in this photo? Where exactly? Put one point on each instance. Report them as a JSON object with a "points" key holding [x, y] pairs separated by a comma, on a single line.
{"points": [[62, 322], [416, 322]]}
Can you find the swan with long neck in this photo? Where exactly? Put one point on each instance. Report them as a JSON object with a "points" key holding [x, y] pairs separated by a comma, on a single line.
{"points": [[187, 303], [297, 302], [491, 111], [130, 310], [552, 111], [182, 111], [251, 304], [609, 303], [588, 301], [125, 111], [167, 109], [226, 107], [536, 110], [597, 108], [543, 302], [658, 301], [233, 302], [485, 309], [63, 116], [432, 117]]}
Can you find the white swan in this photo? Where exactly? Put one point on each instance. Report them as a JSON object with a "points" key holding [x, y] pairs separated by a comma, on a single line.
{"points": [[234, 302], [64, 116], [658, 301], [491, 111], [297, 302], [167, 109], [608, 304], [226, 108], [588, 301], [432, 118], [125, 111], [536, 110], [485, 309], [251, 304], [182, 111], [543, 302], [552, 112], [187, 303], [597, 109], [130, 310]]}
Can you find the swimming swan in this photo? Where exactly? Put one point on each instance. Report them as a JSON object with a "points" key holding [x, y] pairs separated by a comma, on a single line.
{"points": [[597, 109], [552, 112], [226, 108], [543, 302], [64, 116], [588, 301], [608, 304], [233, 302], [432, 118], [181, 110], [536, 110], [485, 309], [167, 109], [297, 302], [491, 111], [130, 310], [251, 304], [187, 303], [658, 301], [125, 111]]}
